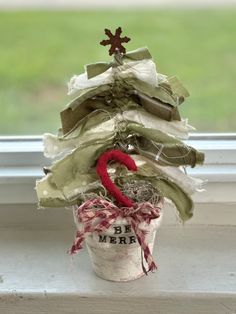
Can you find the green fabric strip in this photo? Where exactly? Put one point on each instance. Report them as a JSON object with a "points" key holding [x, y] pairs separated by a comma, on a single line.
{"points": [[168, 154], [78, 108], [151, 134], [77, 162], [157, 107], [138, 54], [97, 68], [177, 88], [100, 67], [156, 92]]}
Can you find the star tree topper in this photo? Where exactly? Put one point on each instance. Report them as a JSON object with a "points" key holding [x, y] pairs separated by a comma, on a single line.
{"points": [[115, 41]]}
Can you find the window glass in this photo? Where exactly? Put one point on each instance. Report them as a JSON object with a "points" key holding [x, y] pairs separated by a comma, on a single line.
{"points": [[40, 51]]}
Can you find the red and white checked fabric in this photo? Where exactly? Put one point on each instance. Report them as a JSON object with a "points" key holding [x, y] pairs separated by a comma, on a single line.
{"points": [[97, 215]]}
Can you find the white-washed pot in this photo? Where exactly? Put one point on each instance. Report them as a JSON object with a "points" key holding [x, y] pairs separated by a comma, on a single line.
{"points": [[116, 253]]}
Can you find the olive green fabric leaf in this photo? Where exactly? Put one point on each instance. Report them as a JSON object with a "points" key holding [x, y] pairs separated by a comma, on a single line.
{"points": [[78, 162], [168, 154], [171, 151], [157, 107], [49, 195], [138, 54], [177, 88], [156, 92], [85, 183], [97, 68], [152, 134], [82, 105], [173, 192], [157, 100], [91, 122], [89, 93]]}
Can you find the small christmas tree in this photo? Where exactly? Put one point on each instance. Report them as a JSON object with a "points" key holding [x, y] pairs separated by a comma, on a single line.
{"points": [[120, 150]]}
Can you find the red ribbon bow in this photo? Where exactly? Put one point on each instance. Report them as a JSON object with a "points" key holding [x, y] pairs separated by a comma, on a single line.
{"points": [[97, 215]]}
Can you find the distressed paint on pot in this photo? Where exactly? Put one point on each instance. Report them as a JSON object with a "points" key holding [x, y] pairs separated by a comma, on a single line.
{"points": [[116, 254]]}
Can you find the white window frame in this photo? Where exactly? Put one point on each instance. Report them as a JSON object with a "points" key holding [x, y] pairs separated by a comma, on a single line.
{"points": [[22, 160]]}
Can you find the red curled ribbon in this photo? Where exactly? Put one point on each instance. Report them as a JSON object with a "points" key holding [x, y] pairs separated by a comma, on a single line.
{"points": [[122, 158], [97, 215]]}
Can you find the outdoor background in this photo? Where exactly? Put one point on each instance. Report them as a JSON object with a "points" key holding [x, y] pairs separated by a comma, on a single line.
{"points": [[41, 50]]}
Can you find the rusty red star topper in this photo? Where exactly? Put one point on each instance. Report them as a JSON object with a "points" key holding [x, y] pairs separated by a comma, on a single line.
{"points": [[115, 41]]}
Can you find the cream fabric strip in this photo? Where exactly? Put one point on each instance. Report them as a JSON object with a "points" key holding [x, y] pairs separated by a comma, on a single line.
{"points": [[189, 184], [176, 128], [144, 70]]}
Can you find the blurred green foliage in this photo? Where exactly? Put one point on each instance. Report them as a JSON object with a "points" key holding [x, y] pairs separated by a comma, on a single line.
{"points": [[40, 51]]}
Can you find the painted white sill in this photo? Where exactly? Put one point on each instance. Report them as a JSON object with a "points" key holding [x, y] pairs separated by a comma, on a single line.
{"points": [[196, 275]]}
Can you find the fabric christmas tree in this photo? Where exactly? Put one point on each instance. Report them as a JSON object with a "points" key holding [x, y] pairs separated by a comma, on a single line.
{"points": [[128, 106]]}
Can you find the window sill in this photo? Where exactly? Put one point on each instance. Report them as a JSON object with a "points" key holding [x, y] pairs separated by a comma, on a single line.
{"points": [[194, 275]]}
